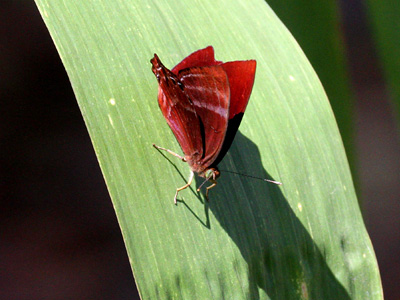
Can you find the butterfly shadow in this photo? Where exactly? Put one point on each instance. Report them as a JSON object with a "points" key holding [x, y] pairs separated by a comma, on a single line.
{"points": [[282, 258]]}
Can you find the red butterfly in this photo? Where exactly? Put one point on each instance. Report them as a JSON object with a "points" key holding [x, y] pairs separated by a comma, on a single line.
{"points": [[203, 101]]}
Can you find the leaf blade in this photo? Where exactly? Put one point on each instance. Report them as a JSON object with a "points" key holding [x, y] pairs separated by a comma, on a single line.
{"points": [[253, 240]]}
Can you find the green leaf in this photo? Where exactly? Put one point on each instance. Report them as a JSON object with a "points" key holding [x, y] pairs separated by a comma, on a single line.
{"points": [[384, 16], [253, 240]]}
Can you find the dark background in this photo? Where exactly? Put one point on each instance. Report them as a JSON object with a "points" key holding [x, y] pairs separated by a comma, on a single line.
{"points": [[59, 235]]}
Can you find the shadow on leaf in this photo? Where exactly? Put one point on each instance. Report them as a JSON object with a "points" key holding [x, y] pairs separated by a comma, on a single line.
{"points": [[282, 258]]}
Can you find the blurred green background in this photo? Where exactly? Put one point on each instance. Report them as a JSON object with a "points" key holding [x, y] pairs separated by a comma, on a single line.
{"points": [[52, 250]]}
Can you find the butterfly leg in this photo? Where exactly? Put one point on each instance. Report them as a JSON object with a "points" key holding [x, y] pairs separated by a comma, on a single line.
{"points": [[214, 183], [209, 188], [170, 152], [184, 187]]}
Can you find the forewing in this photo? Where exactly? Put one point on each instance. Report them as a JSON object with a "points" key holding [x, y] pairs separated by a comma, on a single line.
{"points": [[208, 90], [179, 112]]}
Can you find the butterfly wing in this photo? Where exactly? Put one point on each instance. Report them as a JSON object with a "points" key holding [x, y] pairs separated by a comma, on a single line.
{"points": [[208, 89], [241, 76], [179, 112], [200, 58], [203, 101]]}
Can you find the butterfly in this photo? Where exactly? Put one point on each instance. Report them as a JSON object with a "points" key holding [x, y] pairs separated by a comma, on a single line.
{"points": [[203, 101]]}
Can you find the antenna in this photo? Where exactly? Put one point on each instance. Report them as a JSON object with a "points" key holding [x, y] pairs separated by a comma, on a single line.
{"points": [[245, 175]]}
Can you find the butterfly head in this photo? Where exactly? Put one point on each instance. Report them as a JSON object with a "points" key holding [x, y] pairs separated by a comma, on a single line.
{"points": [[211, 174]]}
